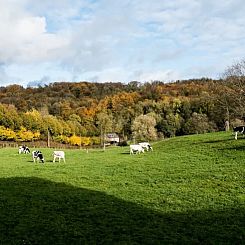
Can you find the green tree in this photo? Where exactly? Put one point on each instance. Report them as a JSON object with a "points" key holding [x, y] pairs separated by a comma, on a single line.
{"points": [[198, 124]]}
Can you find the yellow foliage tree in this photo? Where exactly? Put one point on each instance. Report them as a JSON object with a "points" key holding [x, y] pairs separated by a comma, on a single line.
{"points": [[7, 134], [26, 135]]}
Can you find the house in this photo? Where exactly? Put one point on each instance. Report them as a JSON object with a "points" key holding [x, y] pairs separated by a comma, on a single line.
{"points": [[112, 138]]}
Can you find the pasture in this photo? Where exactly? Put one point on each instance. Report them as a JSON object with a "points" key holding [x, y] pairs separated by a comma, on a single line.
{"points": [[189, 190]]}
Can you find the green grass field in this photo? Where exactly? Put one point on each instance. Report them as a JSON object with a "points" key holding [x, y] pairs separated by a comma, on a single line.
{"points": [[189, 190]]}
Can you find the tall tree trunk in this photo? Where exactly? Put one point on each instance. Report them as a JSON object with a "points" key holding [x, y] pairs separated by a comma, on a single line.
{"points": [[227, 122], [48, 143]]}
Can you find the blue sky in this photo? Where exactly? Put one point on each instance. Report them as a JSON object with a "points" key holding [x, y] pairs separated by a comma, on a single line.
{"points": [[120, 41]]}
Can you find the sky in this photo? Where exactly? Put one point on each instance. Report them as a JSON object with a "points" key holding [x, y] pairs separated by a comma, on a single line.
{"points": [[118, 40]]}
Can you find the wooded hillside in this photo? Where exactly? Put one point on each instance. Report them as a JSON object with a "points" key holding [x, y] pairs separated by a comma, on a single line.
{"points": [[79, 112]]}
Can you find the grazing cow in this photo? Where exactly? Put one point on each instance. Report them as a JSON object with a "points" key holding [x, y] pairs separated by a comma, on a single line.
{"points": [[239, 129], [136, 149], [59, 155], [24, 149], [146, 145], [37, 156]]}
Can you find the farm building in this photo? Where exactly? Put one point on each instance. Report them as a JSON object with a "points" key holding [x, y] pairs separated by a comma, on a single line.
{"points": [[112, 138]]}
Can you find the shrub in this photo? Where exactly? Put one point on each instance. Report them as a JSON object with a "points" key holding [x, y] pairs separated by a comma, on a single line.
{"points": [[75, 140], [123, 143]]}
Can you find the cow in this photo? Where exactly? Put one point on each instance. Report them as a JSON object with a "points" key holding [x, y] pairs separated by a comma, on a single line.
{"points": [[239, 129], [37, 156], [146, 145], [24, 149], [136, 148], [59, 155]]}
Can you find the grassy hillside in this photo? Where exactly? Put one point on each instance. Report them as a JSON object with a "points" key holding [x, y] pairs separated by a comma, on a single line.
{"points": [[189, 190]]}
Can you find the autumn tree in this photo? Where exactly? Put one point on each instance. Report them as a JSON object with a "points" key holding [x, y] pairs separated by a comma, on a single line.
{"points": [[9, 117], [32, 120]]}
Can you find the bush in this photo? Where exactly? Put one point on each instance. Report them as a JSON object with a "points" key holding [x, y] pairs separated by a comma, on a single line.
{"points": [[95, 140], [123, 143]]}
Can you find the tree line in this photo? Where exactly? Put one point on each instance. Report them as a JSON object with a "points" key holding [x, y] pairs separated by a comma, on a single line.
{"points": [[82, 112]]}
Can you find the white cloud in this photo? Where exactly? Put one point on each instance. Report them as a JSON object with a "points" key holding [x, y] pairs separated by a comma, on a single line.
{"points": [[164, 75], [119, 40], [24, 37], [119, 74]]}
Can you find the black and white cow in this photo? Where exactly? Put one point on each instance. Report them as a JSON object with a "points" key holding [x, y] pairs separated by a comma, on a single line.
{"points": [[24, 149], [37, 156], [240, 130], [146, 145]]}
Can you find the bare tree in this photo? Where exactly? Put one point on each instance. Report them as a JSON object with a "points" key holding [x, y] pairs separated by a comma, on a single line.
{"points": [[234, 80], [228, 95]]}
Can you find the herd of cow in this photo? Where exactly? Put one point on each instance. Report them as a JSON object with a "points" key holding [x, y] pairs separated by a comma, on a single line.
{"points": [[37, 156]]}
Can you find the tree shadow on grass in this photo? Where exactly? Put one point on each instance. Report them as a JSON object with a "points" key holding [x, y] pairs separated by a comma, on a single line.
{"points": [[237, 148], [38, 211], [215, 141]]}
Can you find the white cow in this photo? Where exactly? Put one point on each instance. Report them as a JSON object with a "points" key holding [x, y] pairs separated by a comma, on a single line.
{"points": [[59, 155], [136, 149], [146, 145]]}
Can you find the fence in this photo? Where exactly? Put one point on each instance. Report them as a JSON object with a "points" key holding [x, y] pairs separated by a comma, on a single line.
{"points": [[43, 144], [37, 144], [7, 144]]}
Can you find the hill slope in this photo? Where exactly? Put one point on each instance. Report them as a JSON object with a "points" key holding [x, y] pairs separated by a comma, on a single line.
{"points": [[188, 190]]}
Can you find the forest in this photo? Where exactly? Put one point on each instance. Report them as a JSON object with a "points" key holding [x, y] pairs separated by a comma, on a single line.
{"points": [[81, 113]]}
